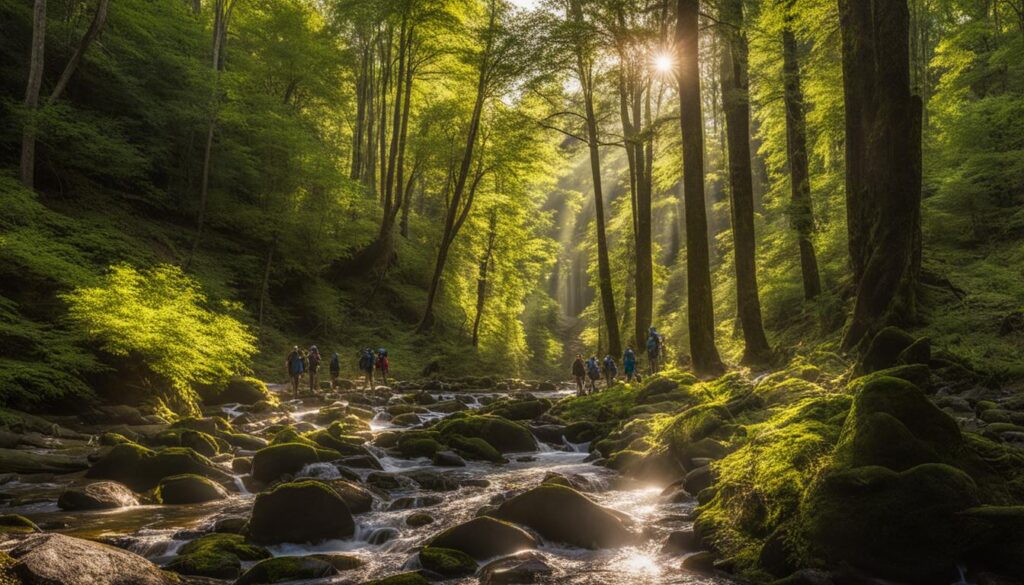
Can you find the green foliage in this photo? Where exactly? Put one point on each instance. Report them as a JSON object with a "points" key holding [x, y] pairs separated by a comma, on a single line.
{"points": [[161, 318]]}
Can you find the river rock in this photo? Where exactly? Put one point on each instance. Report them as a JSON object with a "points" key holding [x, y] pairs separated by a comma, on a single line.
{"points": [[484, 538], [188, 489], [218, 556], [699, 479], [381, 535], [562, 514], [680, 541], [447, 562], [357, 498], [281, 569], [306, 511], [98, 495], [526, 567], [504, 435], [417, 519], [448, 459], [409, 502], [44, 559], [241, 390], [432, 480], [141, 469], [549, 433], [274, 461], [700, 562]]}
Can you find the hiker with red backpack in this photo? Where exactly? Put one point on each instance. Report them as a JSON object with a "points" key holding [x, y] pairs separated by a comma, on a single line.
{"points": [[382, 364]]}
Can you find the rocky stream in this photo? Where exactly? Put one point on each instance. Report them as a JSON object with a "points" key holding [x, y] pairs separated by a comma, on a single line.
{"points": [[403, 483]]}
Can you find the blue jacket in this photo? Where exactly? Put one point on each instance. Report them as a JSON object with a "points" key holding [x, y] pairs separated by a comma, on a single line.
{"points": [[296, 365]]}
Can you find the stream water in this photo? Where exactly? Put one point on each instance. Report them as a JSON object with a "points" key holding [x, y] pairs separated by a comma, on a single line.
{"points": [[383, 539]]}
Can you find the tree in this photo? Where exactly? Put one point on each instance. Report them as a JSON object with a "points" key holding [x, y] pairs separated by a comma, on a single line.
{"points": [[802, 210], [504, 57], [482, 282], [883, 165], [35, 77], [700, 307], [736, 106]]}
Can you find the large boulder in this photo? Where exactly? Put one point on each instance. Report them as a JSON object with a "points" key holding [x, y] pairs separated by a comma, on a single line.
{"points": [[900, 525], [241, 390], [502, 434], [272, 462], [528, 409], [562, 514], [484, 538], [142, 469], [218, 556], [188, 489], [357, 498], [45, 559], [885, 349], [305, 511], [893, 424], [98, 495]]}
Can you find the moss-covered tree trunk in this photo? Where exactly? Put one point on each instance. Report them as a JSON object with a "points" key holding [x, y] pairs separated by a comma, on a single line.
{"points": [[481, 281], [883, 164], [35, 82], [736, 107], [802, 210]]}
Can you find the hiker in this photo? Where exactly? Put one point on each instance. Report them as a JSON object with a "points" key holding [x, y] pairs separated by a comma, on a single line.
{"points": [[382, 364], [335, 370], [579, 371], [296, 364], [629, 363], [655, 346], [313, 357], [366, 360], [593, 372], [610, 370]]}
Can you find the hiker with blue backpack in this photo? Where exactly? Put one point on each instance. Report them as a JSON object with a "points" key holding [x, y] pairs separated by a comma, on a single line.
{"points": [[593, 372], [655, 348], [610, 370], [629, 363], [295, 363], [366, 362], [335, 370], [313, 359]]}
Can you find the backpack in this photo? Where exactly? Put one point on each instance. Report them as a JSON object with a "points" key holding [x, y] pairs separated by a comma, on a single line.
{"points": [[314, 359], [654, 343], [382, 352], [335, 364], [366, 360], [593, 369], [629, 357]]}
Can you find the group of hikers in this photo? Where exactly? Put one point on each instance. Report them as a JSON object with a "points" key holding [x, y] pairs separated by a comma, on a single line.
{"points": [[301, 363], [587, 373]]}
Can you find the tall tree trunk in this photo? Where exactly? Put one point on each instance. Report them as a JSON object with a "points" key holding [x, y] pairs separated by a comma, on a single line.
{"points": [[644, 247], [585, 73], [700, 307], [370, 154], [265, 284], [357, 134], [385, 88], [454, 216], [736, 107], [222, 18], [35, 82], [883, 165], [802, 210], [481, 281]]}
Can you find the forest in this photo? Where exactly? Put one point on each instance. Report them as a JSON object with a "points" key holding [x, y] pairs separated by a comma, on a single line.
{"points": [[789, 232]]}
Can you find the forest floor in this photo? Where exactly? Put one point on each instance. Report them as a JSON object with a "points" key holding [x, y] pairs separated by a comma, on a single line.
{"points": [[906, 466]]}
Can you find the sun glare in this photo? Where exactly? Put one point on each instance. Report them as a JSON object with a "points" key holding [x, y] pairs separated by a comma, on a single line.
{"points": [[663, 63]]}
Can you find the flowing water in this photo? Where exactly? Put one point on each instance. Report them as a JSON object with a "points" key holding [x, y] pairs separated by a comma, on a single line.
{"points": [[383, 539]]}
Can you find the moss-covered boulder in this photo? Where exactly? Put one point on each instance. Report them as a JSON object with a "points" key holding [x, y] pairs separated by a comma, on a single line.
{"points": [[419, 444], [484, 538], [188, 489], [218, 556], [285, 569], [356, 497], [447, 562], [893, 424], [900, 525], [141, 469], [885, 349], [200, 442], [272, 462], [241, 390], [306, 511], [504, 435], [98, 495], [211, 425], [518, 409], [17, 524], [562, 514], [694, 424], [475, 448]]}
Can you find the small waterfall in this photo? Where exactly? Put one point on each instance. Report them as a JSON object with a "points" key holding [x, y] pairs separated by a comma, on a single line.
{"points": [[242, 489], [319, 471], [962, 570], [577, 447]]}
